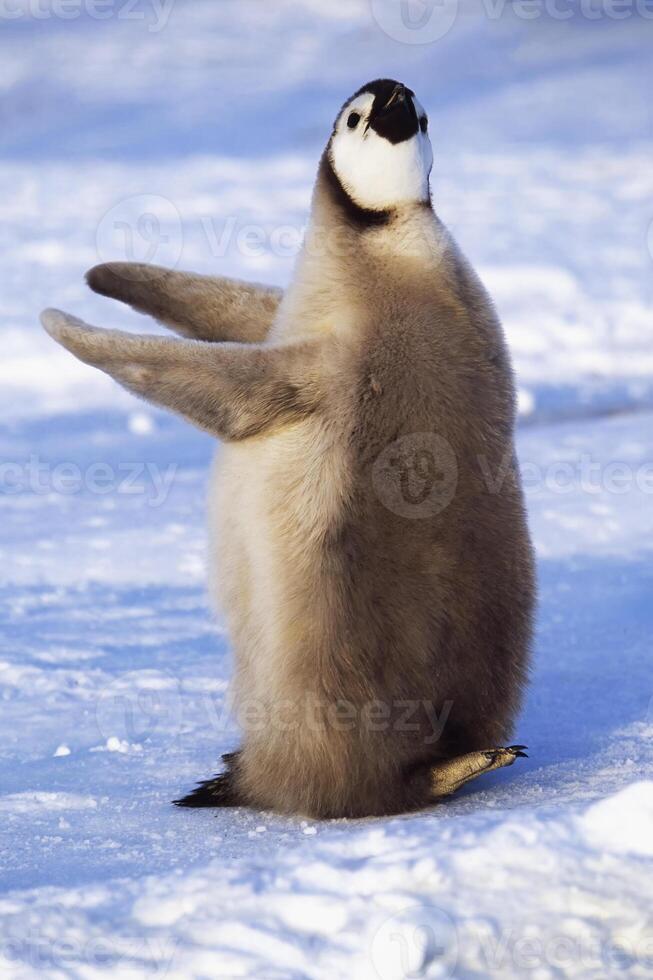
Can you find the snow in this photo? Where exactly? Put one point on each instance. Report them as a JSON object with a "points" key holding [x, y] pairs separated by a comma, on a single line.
{"points": [[622, 823], [114, 679]]}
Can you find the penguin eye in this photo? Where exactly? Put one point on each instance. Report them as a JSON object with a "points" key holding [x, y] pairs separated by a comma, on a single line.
{"points": [[353, 120], [424, 124]]}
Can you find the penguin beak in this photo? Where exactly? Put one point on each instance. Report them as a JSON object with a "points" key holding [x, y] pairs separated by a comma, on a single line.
{"points": [[396, 120], [397, 95]]}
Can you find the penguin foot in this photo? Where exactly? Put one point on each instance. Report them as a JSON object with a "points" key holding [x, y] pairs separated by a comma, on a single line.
{"points": [[449, 776]]}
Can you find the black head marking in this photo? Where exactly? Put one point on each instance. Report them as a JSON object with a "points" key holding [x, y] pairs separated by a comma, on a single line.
{"points": [[393, 115]]}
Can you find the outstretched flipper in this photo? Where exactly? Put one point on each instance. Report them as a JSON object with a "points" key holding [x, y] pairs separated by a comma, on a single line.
{"points": [[210, 308], [231, 390], [449, 776]]}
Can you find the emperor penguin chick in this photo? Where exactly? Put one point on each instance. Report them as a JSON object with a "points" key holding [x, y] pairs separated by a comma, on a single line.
{"points": [[372, 556]]}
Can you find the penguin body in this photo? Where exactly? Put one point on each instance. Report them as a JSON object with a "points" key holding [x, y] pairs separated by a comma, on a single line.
{"points": [[369, 540]]}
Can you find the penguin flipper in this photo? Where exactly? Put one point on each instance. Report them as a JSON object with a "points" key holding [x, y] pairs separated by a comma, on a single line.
{"points": [[211, 308]]}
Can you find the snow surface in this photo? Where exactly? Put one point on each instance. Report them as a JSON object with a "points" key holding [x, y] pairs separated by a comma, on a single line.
{"points": [[114, 679]]}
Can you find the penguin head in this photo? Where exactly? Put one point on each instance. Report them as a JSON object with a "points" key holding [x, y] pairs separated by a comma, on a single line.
{"points": [[380, 150]]}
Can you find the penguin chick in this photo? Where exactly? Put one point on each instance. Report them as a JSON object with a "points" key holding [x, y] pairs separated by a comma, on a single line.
{"points": [[370, 547]]}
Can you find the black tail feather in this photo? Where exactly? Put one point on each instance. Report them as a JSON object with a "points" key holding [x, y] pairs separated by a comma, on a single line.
{"points": [[218, 791]]}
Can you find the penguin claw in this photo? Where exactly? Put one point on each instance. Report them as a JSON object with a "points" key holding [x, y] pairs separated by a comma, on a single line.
{"points": [[509, 753]]}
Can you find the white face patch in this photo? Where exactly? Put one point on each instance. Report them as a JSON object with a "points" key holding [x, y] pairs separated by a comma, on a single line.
{"points": [[376, 173]]}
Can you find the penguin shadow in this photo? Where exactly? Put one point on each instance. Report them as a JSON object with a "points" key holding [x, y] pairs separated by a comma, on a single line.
{"points": [[591, 677]]}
